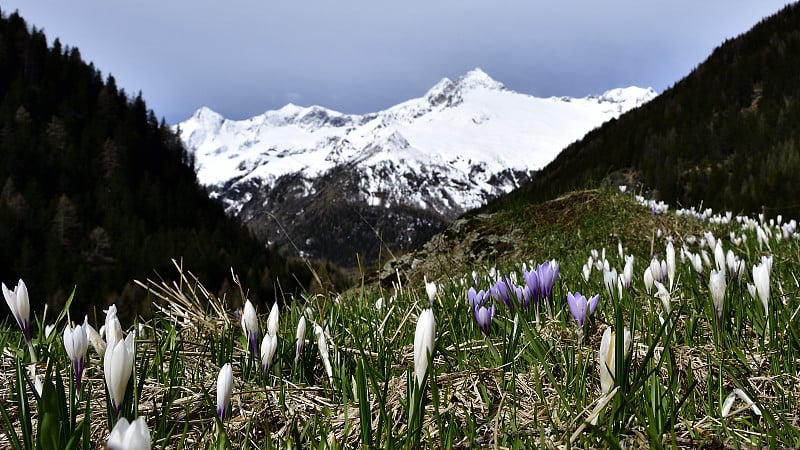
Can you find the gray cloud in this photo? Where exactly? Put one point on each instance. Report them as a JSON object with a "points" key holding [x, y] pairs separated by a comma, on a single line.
{"points": [[241, 58]]}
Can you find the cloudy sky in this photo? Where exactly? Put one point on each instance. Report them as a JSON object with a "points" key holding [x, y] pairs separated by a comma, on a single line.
{"points": [[242, 57]]}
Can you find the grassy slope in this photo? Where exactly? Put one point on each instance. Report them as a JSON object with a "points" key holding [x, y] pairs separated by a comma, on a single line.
{"points": [[529, 386]]}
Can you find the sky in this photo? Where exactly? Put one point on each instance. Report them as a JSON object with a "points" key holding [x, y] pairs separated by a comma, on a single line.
{"points": [[243, 57]]}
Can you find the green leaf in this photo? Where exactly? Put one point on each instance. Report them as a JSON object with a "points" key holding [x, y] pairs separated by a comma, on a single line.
{"points": [[50, 436]]}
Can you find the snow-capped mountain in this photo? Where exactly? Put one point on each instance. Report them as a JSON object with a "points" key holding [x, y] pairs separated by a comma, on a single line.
{"points": [[403, 172]]}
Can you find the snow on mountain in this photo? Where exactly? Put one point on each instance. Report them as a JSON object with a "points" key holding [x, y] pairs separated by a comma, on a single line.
{"points": [[462, 143]]}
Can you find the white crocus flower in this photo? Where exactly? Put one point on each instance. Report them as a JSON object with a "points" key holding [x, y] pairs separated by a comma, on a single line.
{"points": [[717, 286], [76, 344], [98, 344], [663, 294], [117, 367], [20, 306], [322, 345], [250, 325], [610, 280], [719, 256], [761, 278], [697, 262], [129, 436], [269, 345], [655, 269], [710, 239], [424, 340], [627, 271], [301, 338], [430, 289], [112, 328], [224, 390], [587, 271], [728, 403], [273, 320], [648, 280], [606, 357], [670, 261]]}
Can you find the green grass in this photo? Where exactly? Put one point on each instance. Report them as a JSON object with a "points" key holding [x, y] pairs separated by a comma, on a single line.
{"points": [[528, 385]]}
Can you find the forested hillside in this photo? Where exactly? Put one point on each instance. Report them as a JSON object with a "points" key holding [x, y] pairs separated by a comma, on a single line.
{"points": [[96, 192], [726, 135]]}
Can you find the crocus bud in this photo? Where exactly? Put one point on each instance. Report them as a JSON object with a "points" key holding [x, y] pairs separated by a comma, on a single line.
{"points": [[655, 270], [606, 357], [719, 256], [129, 436], [627, 271], [610, 280], [697, 262], [301, 338], [113, 329], [224, 390], [273, 320], [761, 275], [20, 307], [430, 289], [648, 280], [732, 263], [483, 316], [117, 367], [710, 239], [587, 272], [670, 261], [424, 340], [268, 347], [250, 325], [76, 343], [717, 285], [322, 345]]}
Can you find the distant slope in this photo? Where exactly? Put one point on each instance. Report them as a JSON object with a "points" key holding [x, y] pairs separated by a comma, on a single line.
{"points": [[95, 192], [341, 185], [555, 229], [726, 135]]}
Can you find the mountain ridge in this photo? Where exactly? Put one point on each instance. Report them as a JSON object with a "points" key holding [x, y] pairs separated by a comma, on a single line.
{"points": [[462, 143]]}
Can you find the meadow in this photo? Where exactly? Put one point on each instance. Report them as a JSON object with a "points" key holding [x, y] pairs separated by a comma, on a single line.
{"points": [[692, 341]]}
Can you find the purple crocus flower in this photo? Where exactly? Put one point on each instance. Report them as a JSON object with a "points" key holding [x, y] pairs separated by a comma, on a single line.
{"points": [[519, 294], [500, 291], [476, 298], [525, 295], [548, 272], [483, 316], [533, 287], [578, 306]]}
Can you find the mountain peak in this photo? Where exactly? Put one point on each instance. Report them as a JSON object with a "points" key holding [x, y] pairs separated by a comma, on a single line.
{"points": [[449, 92], [204, 113], [206, 118], [477, 78]]}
